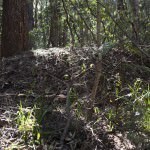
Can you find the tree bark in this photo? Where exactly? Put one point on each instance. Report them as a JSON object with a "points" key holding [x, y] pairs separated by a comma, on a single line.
{"points": [[135, 24], [14, 27], [1, 9], [36, 13], [120, 9], [30, 20], [69, 25], [54, 30], [98, 24]]}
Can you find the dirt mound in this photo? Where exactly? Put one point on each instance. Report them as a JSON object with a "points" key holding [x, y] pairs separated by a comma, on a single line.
{"points": [[43, 75]]}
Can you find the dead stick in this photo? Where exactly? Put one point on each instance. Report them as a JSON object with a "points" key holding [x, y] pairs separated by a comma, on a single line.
{"points": [[94, 89], [69, 117]]}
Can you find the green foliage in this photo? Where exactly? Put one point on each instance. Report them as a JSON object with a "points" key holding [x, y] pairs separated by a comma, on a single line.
{"points": [[133, 109], [107, 47], [118, 85], [14, 146], [73, 97], [116, 25], [96, 110], [83, 68], [27, 124], [79, 109], [38, 37], [111, 116]]}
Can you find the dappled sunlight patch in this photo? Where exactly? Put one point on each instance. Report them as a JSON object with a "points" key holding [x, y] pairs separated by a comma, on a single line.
{"points": [[50, 51]]}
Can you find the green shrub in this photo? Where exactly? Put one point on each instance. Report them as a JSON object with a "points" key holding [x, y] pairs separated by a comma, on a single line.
{"points": [[133, 109], [27, 124]]}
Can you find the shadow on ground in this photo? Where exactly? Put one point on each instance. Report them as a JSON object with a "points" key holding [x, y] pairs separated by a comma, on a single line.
{"points": [[37, 78]]}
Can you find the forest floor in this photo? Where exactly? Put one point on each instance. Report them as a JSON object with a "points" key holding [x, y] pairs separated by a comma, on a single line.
{"points": [[39, 80]]}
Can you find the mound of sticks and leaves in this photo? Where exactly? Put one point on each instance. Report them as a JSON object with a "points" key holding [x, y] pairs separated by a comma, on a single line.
{"points": [[81, 99]]}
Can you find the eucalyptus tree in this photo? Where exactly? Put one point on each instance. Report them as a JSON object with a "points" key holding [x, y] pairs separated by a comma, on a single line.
{"points": [[135, 19], [1, 8], [55, 23], [14, 27]]}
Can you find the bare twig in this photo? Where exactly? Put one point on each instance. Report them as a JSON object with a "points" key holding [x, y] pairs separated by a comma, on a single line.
{"points": [[69, 117]]}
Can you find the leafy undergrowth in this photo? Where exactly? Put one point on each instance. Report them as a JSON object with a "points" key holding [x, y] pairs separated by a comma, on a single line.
{"points": [[36, 86]]}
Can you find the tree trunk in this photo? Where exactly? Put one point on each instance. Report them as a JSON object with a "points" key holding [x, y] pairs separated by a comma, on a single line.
{"points": [[1, 9], [30, 14], [14, 27], [120, 5], [36, 13], [135, 24], [69, 25], [98, 24], [81, 32], [64, 34], [30, 20], [120, 9], [54, 24]]}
